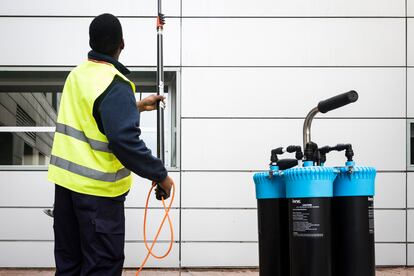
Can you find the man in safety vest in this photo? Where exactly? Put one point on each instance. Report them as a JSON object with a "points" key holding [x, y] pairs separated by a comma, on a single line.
{"points": [[96, 145]]}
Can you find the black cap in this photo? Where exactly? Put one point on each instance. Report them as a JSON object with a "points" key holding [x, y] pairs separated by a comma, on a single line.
{"points": [[105, 34]]}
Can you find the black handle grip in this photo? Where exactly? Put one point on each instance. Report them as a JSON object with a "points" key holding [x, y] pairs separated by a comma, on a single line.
{"points": [[287, 163], [337, 101], [160, 193]]}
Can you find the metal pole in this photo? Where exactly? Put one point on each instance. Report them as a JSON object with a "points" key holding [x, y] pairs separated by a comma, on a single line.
{"points": [[160, 85]]}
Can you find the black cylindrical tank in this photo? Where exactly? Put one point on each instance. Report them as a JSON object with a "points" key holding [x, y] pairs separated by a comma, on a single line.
{"points": [[309, 191], [353, 221], [273, 223]]}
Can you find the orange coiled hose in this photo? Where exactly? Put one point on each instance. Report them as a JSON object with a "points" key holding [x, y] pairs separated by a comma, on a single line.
{"points": [[166, 216]]}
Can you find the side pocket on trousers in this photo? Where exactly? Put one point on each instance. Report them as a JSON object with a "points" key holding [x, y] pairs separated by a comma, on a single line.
{"points": [[109, 226]]}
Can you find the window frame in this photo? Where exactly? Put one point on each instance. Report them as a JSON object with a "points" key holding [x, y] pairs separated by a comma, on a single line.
{"points": [[174, 102]]}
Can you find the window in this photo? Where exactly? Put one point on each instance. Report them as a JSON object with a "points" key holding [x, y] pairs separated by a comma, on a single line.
{"points": [[29, 104]]}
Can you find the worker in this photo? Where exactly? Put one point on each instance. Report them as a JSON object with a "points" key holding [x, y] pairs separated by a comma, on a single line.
{"points": [[96, 146]]}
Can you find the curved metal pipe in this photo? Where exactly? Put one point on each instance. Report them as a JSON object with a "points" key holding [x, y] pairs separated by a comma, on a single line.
{"points": [[307, 126]]}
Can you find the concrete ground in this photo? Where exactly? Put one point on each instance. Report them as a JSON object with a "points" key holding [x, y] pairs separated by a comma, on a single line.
{"points": [[192, 272]]}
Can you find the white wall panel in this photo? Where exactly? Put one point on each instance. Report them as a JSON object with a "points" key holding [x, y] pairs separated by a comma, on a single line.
{"points": [[218, 190], [41, 226], [410, 225], [141, 42], [26, 254], [136, 252], [234, 144], [219, 225], [241, 225], [134, 224], [410, 90], [245, 144], [65, 41], [367, 138], [410, 7], [293, 8], [410, 190], [219, 254], [390, 254], [32, 189], [29, 188], [410, 254], [20, 254], [383, 220], [139, 192], [25, 224], [410, 41], [87, 8], [293, 42], [40, 254], [390, 190], [290, 92], [236, 190]]}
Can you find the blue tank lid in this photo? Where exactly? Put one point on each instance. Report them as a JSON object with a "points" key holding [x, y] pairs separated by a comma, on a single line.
{"points": [[355, 181], [269, 187], [310, 181]]}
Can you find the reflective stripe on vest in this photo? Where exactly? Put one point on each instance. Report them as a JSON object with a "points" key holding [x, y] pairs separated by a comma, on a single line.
{"points": [[80, 135], [87, 172]]}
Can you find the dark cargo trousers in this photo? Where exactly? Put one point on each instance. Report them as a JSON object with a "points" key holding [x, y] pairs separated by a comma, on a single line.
{"points": [[89, 234]]}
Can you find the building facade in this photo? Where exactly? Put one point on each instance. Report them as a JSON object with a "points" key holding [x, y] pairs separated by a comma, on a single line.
{"points": [[243, 75]]}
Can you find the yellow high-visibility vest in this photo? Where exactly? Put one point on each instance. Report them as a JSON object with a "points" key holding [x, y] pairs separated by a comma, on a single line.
{"points": [[81, 160]]}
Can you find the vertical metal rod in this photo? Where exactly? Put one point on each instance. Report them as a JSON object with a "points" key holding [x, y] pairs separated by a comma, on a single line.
{"points": [[160, 86]]}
